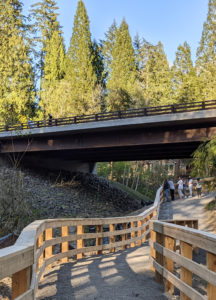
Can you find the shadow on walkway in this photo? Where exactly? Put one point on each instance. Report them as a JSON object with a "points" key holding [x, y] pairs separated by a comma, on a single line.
{"points": [[122, 275]]}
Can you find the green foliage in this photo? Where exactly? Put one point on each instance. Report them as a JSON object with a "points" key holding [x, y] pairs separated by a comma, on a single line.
{"points": [[122, 78], [17, 78], [185, 85], [204, 159], [206, 54], [80, 71], [211, 205], [153, 73]]}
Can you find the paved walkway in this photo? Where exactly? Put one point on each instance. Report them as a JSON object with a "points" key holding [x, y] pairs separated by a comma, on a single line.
{"points": [[193, 208], [124, 275]]}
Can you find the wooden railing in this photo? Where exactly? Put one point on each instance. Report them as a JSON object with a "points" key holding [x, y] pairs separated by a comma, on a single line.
{"points": [[47, 241], [113, 115], [167, 258]]}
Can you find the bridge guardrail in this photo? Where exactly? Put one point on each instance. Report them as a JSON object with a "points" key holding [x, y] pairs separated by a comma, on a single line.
{"points": [[33, 251], [114, 115]]}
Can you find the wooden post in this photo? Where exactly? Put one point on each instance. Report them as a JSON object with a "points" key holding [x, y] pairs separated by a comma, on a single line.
{"points": [[112, 238], [40, 243], [133, 235], [169, 244], [64, 245], [147, 227], [139, 233], [186, 276], [152, 250], [196, 226], [21, 282], [144, 230], [211, 265], [159, 257], [124, 236], [99, 241], [80, 243], [48, 236]]}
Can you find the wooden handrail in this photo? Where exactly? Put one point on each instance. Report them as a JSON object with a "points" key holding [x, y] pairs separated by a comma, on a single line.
{"points": [[33, 249], [113, 115], [164, 237]]}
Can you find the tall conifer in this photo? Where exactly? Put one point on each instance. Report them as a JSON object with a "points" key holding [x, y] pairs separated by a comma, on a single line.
{"points": [[17, 80], [185, 85], [80, 71], [122, 78], [206, 54]]}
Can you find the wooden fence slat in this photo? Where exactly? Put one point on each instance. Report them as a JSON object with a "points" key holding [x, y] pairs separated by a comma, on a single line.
{"points": [[169, 243], [112, 238], [124, 236], [48, 236], [80, 243], [211, 265], [139, 233], [64, 246], [99, 241], [133, 234], [40, 243], [21, 282], [159, 257], [186, 275]]}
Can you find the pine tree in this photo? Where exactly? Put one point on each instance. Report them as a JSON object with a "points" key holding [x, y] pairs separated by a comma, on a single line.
{"points": [[108, 44], [206, 54], [122, 78], [17, 80], [44, 15], [80, 71], [185, 85], [154, 74]]}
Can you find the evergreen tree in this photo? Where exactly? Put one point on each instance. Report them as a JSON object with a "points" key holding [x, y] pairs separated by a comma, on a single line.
{"points": [[206, 54], [17, 80], [44, 15], [80, 71], [154, 74], [185, 85], [121, 83], [108, 44]]}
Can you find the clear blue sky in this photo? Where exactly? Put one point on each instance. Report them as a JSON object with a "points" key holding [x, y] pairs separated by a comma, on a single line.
{"points": [[170, 21]]}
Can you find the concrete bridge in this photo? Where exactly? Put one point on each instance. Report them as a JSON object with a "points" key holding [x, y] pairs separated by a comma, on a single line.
{"points": [[165, 134]]}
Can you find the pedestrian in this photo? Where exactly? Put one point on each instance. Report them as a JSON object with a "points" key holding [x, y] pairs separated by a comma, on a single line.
{"points": [[184, 187], [190, 186], [199, 188], [30, 123], [180, 188], [50, 119], [172, 189], [166, 189]]}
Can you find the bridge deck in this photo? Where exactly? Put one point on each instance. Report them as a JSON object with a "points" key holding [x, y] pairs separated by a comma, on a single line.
{"points": [[122, 275]]}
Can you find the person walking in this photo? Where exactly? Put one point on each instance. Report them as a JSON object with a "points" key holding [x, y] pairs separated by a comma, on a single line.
{"points": [[190, 186], [180, 188], [172, 189], [184, 187], [50, 119], [166, 189], [199, 188]]}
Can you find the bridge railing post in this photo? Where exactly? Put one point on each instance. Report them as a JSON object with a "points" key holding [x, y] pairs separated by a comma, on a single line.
{"points": [[64, 245], [21, 282], [80, 243], [133, 234], [124, 236], [186, 275], [48, 236], [169, 243], [211, 265], [112, 238], [99, 240]]}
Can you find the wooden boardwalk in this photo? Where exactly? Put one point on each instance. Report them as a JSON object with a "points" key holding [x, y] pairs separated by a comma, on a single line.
{"points": [[124, 275]]}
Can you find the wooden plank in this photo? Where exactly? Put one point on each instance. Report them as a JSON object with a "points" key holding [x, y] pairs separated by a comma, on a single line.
{"points": [[192, 266], [112, 238], [124, 236], [201, 239], [139, 232], [48, 236], [133, 235], [186, 275], [152, 250], [182, 286], [39, 244], [80, 243], [211, 265], [99, 240], [14, 259], [64, 245], [169, 243], [144, 222], [159, 256], [28, 295], [21, 282]]}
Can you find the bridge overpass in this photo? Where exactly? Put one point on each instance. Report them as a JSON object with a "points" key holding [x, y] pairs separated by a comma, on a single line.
{"points": [[162, 133]]}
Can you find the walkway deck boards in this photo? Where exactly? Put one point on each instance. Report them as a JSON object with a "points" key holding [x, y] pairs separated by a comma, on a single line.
{"points": [[124, 275]]}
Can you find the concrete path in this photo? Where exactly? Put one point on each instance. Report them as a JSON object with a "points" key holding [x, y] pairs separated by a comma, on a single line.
{"points": [[193, 208], [124, 275]]}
